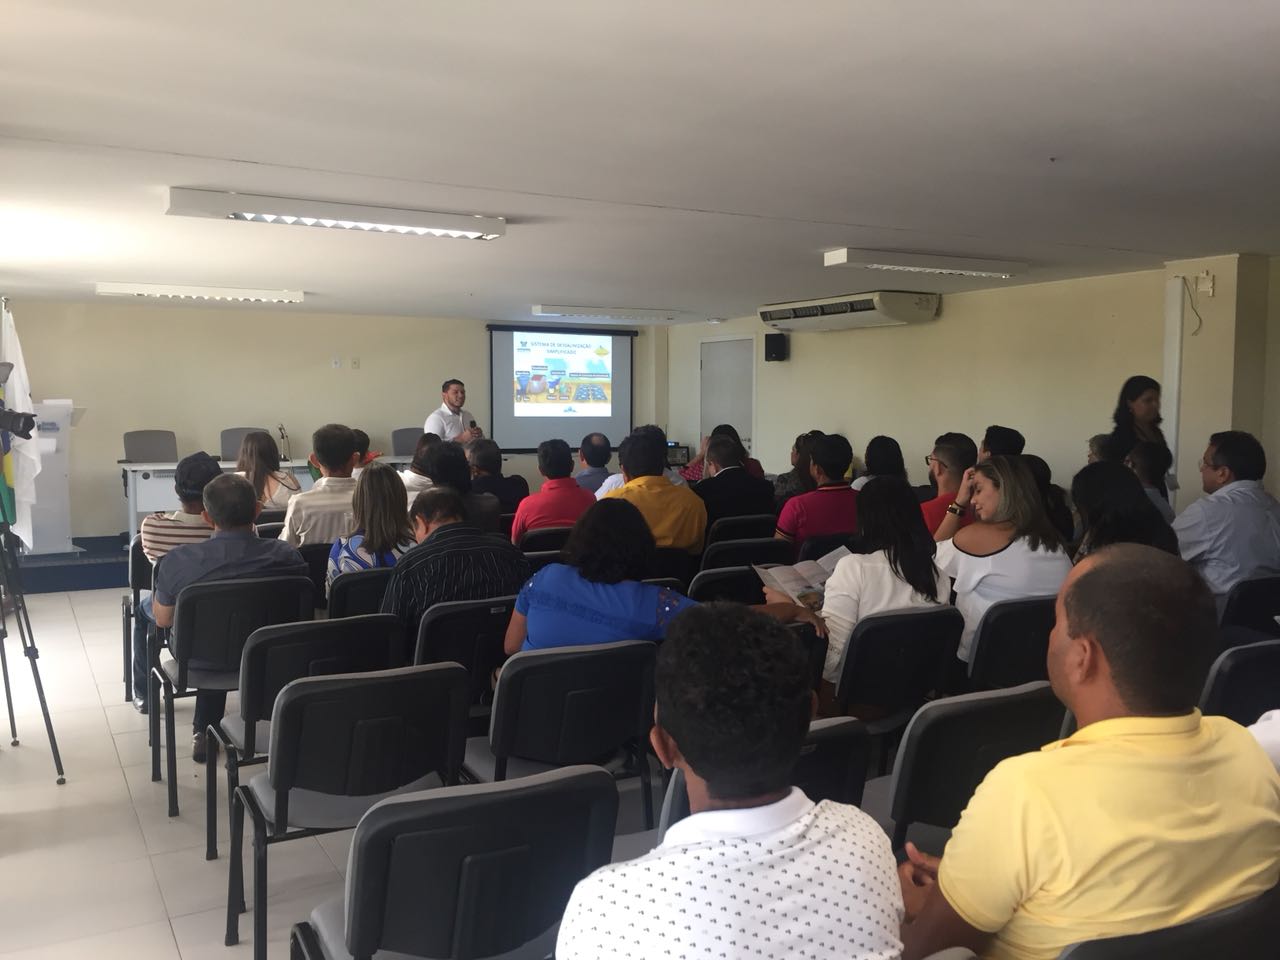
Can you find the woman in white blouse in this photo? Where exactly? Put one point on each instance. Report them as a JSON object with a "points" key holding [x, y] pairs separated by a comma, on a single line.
{"points": [[259, 463], [1011, 551]]}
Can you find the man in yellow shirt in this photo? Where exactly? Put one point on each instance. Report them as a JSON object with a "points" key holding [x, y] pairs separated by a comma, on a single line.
{"points": [[1149, 816], [675, 514]]}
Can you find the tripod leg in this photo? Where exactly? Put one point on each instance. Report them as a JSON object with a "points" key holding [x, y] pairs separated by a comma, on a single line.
{"points": [[8, 693]]}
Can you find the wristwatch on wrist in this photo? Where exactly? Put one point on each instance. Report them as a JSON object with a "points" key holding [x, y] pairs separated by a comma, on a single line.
{"points": [[956, 509]]}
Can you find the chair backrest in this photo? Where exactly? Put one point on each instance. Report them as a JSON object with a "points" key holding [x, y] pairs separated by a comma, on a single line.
{"points": [[278, 655], [469, 632], [356, 734], [734, 584], [671, 563], [231, 439], [952, 743], [317, 557], [505, 522], [893, 659], [1244, 682], [1011, 644], [755, 526], [815, 548], [139, 568], [269, 531], [571, 705], [497, 862], [150, 446], [671, 583], [213, 619], [270, 516], [1254, 603], [542, 558], [815, 647], [358, 592], [741, 553], [404, 441], [544, 538]]}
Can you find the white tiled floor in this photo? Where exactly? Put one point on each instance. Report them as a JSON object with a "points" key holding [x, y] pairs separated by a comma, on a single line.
{"points": [[94, 868]]}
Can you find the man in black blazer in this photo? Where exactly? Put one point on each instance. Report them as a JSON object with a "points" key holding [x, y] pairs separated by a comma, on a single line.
{"points": [[728, 490]]}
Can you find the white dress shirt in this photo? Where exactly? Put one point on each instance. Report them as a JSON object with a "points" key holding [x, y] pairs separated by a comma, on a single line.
{"points": [[790, 879], [1231, 535], [1267, 732], [321, 514], [615, 480], [447, 425], [414, 484]]}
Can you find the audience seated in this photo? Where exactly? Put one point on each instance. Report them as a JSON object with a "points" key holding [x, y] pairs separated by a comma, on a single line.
{"points": [[1001, 442], [485, 458], [445, 465], [758, 869], [675, 514], [833, 506], [259, 463], [799, 479], [1010, 551], [882, 458], [1052, 496], [695, 469], [594, 456], [453, 560], [727, 489], [1148, 816], [362, 453], [953, 454], [323, 513], [560, 501], [595, 594], [1113, 508], [233, 552], [382, 531], [1099, 445], [414, 477], [1233, 533], [615, 481], [1151, 462]]}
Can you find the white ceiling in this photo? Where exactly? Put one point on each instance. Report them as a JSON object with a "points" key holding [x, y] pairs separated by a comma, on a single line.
{"points": [[690, 155]]}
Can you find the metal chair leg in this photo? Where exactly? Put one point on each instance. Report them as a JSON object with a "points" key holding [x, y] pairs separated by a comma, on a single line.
{"points": [[153, 723], [235, 872], [126, 617], [259, 888], [171, 749], [211, 794], [646, 787]]}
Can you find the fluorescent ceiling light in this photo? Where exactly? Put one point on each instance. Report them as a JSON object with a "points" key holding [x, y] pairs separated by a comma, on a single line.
{"points": [[922, 263], [257, 208], [631, 314], [176, 292]]}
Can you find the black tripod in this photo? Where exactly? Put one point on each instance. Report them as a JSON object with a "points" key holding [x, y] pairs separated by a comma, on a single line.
{"points": [[11, 582]]}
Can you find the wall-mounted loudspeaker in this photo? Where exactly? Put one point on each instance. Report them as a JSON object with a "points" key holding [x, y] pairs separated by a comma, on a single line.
{"points": [[776, 346]]}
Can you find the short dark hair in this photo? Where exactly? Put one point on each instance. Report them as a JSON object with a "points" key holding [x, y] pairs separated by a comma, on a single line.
{"points": [[484, 454], [362, 442], [446, 464], [193, 474], [832, 454], [595, 450], [425, 443], [555, 459], [334, 445], [1155, 620], [1003, 441], [444, 387], [438, 503], [724, 451], [611, 542], [957, 451], [1150, 461], [644, 453], [230, 501], [1239, 452], [884, 458], [735, 691]]}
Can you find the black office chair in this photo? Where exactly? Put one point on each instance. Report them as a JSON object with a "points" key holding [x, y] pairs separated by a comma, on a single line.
{"points": [[358, 592], [567, 705], [536, 837], [541, 559], [404, 441], [1247, 930], [339, 745], [544, 538], [317, 557], [742, 553], [274, 656], [1244, 683], [671, 583], [815, 548], [756, 526], [231, 439], [815, 649], [1011, 644], [505, 522], [469, 632], [150, 446], [212, 622], [269, 531], [270, 516], [732, 584], [139, 580], [1254, 604]]}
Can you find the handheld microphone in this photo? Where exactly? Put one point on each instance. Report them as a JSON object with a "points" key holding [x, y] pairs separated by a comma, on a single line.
{"points": [[473, 424]]}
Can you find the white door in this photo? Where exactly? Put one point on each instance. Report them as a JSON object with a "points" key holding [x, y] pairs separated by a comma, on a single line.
{"points": [[728, 386]]}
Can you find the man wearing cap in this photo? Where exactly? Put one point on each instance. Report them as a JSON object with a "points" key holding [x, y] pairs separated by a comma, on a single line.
{"points": [[160, 533]]}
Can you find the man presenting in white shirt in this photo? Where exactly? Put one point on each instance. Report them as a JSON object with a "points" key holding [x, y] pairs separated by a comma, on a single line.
{"points": [[451, 422], [757, 869]]}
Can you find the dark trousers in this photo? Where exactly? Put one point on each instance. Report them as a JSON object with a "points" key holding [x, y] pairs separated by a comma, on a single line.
{"points": [[210, 704]]}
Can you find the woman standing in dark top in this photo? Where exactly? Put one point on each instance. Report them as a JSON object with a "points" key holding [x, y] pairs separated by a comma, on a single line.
{"points": [[1137, 419]]}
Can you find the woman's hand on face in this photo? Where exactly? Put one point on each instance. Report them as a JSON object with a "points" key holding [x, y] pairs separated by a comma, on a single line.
{"points": [[965, 494]]}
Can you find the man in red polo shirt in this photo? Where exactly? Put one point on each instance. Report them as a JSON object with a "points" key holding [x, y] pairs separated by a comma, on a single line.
{"points": [[560, 502], [833, 507], [953, 454]]}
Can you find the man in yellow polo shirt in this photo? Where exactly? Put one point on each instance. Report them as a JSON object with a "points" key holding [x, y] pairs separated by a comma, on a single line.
{"points": [[1149, 816], [675, 514]]}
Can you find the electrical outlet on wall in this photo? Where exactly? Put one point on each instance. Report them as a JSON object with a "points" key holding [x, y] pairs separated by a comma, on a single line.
{"points": [[1204, 283], [355, 363]]}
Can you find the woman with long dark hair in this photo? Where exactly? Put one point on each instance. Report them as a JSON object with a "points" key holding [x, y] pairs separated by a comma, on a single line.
{"points": [[1136, 417], [1053, 496], [883, 458], [1114, 508], [694, 470], [798, 479], [259, 463]]}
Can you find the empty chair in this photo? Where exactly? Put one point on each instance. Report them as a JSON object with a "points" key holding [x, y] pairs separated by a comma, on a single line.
{"points": [[741, 553], [541, 558], [1011, 644], [150, 446], [358, 592], [535, 837], [139, 580], [269, 531], [1254, 604], [232, 438], [754, 526], [544, 538], [670, 563], [317, 557], [734, 584], [339, 745], [469, 632], [274, 656], [270, 516], [404, 441], [1244, 682], [558, 707]]}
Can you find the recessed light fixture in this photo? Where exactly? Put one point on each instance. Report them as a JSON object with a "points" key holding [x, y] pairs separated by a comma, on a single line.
{"points": [[716, 320], [258, 208], [630, 314], [176, 292], [922, 263]]}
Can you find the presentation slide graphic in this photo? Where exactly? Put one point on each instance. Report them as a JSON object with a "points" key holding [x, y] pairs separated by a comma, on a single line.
{"points": [[562, 375]]}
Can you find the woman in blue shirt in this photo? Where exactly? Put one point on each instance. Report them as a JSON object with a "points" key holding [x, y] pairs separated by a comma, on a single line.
{"points": [[382, 530]]}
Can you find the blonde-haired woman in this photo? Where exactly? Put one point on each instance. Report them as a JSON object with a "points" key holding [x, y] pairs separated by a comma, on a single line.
{"points": [[382, 530]]}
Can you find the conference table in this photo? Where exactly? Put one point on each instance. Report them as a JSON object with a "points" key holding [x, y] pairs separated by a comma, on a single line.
{"points": [[148, 487]]}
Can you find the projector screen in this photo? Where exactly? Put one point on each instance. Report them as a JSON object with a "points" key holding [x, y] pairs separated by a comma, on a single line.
{"points": [[563, 382]]}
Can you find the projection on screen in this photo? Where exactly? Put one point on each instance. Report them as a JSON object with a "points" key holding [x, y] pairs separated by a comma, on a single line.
{"points": [[562, 375]]}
